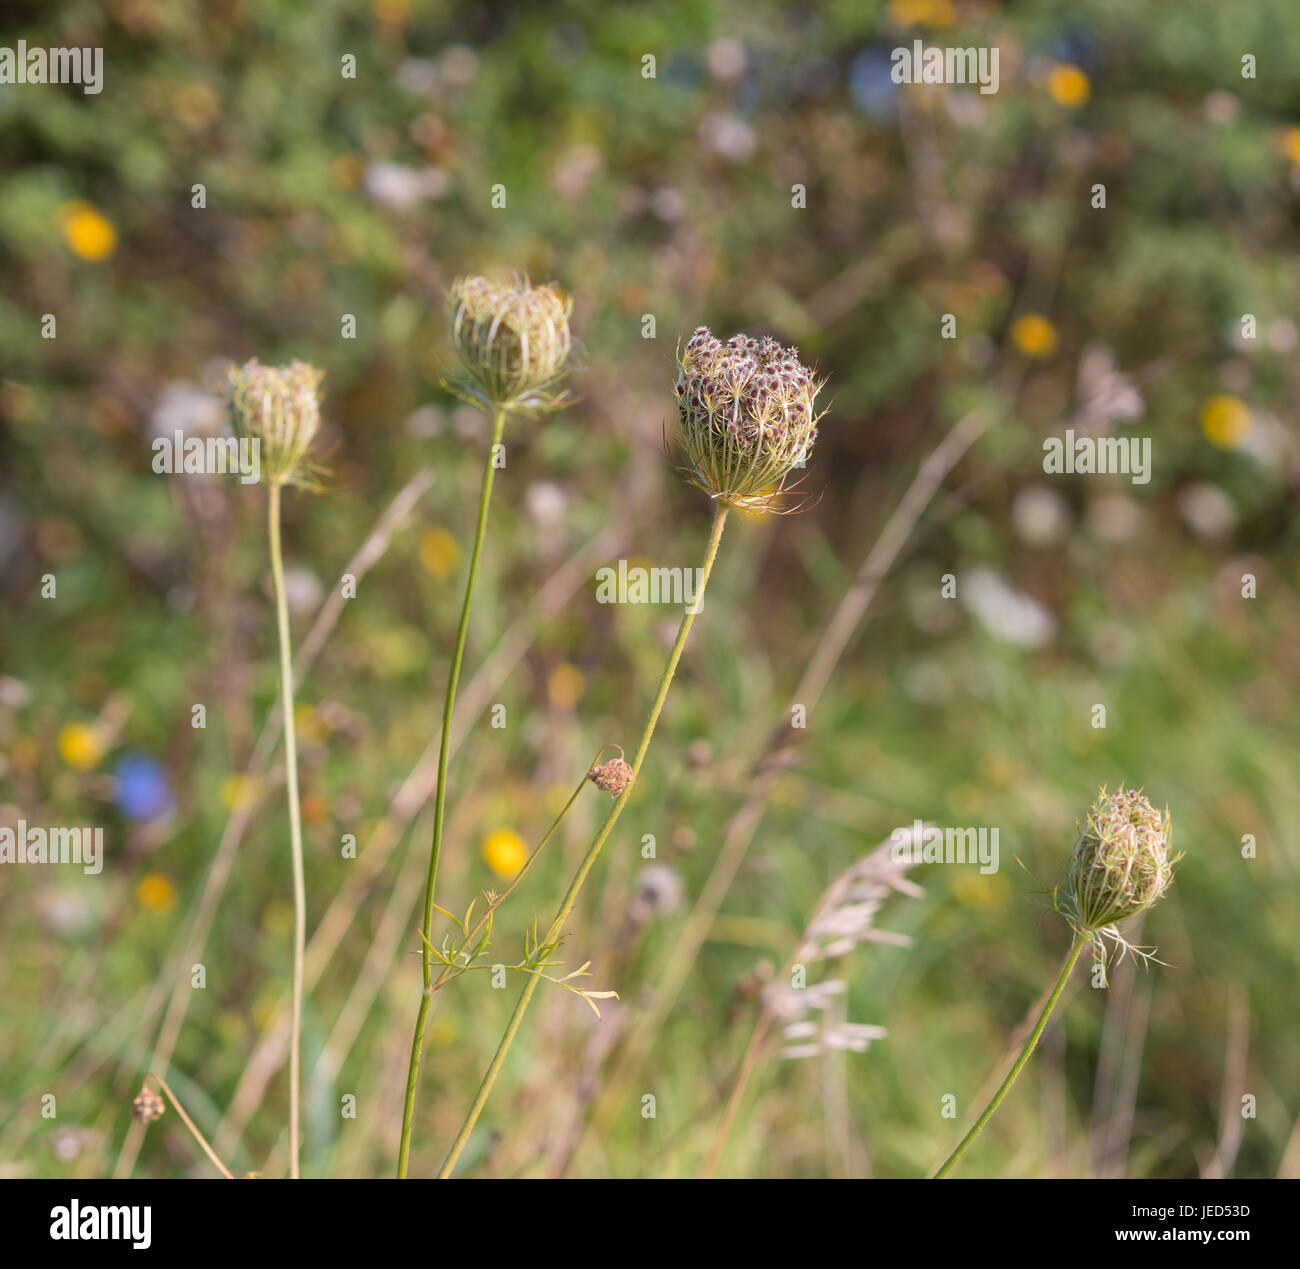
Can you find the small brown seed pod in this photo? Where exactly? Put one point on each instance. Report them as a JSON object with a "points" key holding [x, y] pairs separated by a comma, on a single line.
{"points": [[147, 1106], [613, 776]]}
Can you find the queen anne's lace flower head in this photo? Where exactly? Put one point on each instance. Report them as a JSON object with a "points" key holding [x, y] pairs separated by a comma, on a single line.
{"points": [[747, 417], [279, 408], [147, 1106], [1121, 866], [513, 342], [613, 776]]}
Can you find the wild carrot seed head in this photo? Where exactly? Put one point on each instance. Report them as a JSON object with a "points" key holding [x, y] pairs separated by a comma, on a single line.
{"points": [[613, 776], [147, 1106], [747, 416], [279, 407], [1122, 863], [513, 342]]}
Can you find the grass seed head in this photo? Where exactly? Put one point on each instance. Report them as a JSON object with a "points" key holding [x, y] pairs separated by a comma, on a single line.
{"points": [[746, 413]]}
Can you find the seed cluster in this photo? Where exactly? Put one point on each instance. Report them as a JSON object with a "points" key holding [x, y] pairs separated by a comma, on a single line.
{"points": [[1121, 863], [746, 411], [513, 342], [278, 406], [147, 1107], [613, 776]]}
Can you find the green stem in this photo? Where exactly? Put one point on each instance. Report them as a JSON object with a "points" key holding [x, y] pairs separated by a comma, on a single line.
{"points": [[190, 1124], [295, 826], [440, 798], [579, 877], [471, 936], [1030, 1045]]}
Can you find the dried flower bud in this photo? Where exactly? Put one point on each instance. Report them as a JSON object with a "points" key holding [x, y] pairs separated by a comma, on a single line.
{"points": [[279, 407], [613, 776], [148, 1106], [513, 342], [747, 417], [1121, 863], [1120, 867]]}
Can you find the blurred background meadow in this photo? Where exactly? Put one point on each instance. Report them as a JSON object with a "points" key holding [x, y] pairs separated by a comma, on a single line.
{"points": [[670, 198]]}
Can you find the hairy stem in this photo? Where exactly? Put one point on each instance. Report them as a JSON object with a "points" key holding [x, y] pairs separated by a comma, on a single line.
{"points": [[440, 796], [1025, 1054], [579, 877], [295, 827]]}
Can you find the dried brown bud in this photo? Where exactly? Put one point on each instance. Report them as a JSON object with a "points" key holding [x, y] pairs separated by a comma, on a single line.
{"points": [[147, 1106], [613, 776]]}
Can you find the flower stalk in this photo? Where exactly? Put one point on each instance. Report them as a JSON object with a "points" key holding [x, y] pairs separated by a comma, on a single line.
{"points": [[1121, 866], [514, 345], [295, 828], [1071, 960], [440, 797], [278, 409], [593, 851], [746, 419]]}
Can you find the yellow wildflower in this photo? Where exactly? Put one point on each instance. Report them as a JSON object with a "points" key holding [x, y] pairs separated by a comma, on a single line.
{"points": [[505, 852], [922, 12], [1226, 421], [88, 233], [439, 553], [154, 892], [565, 686], [1069, 86], [81, 746], [1034, 336]]}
